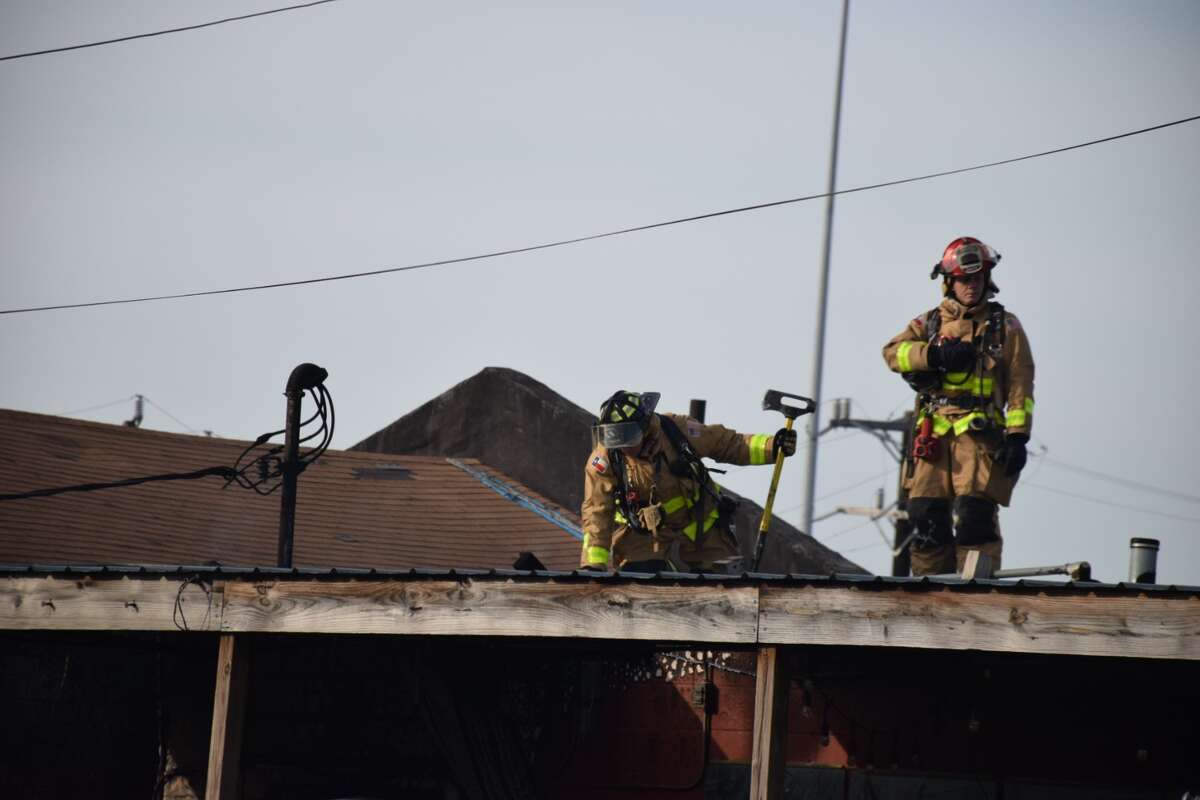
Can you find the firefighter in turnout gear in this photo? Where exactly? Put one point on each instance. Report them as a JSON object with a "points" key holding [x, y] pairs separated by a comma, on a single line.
{"points": [[645, 487], [970, 364]]}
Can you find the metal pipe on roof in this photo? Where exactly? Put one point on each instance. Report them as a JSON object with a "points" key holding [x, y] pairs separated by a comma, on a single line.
{"points": [[1143, 560], [305, 376]]}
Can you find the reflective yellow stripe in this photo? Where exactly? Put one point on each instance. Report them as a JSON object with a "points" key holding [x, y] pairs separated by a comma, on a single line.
{"points": [[941, 425], [620, 518], [902, 360], [758, 448], [1019, 417], [690, 530], [674, 504], [963, 424], [597, 555], [959, 382]]}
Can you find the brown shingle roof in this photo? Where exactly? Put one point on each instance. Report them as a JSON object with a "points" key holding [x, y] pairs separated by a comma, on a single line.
{"points": [[353, 510], [511, 421]]}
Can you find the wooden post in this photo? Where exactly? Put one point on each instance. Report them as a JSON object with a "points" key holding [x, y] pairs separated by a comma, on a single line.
{"points": [[977, 565], [229, 703], [769, 751]]}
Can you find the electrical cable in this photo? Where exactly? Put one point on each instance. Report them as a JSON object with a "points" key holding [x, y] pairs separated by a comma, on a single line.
{"points": [[189, 428], [594, 236], [164, 32], [270, 467], [845, 531], [1118, 480], [854, 485], [224, 472], [94, 408], [1111, 504]]}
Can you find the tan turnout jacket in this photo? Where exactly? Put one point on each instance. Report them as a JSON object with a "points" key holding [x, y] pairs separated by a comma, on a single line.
{"points": [[1006, 378], [648, 480]]}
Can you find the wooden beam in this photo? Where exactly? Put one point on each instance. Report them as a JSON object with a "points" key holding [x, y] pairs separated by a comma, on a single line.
{"points": [[977, 564], [229, 705], [127, 604], [655, 612], [768, 754], [945, 619]]}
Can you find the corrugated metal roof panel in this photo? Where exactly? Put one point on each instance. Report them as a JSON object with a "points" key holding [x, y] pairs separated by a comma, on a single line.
{"points": [[880, 582]]}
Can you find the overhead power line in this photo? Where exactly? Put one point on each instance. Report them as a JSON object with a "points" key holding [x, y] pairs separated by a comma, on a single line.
{"points": [[94, 408], [594, 236], [189, 428], [1111, 504], [1119, 481], [164, 32]]}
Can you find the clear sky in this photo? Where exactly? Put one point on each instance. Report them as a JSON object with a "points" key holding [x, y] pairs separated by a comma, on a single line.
{"points": [[365, 134]]}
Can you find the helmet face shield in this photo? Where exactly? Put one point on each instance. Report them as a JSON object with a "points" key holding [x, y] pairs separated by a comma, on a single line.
{"points": [[968, 259], [624, 418], [966, 256], [617, 434]]}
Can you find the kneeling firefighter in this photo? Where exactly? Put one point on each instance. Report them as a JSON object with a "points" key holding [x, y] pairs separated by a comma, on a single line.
{"points": [[970, 364], [645, 487]]}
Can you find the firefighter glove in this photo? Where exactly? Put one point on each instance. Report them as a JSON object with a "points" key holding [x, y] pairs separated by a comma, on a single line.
{"points": [[1015, 454], [950, 355], [785, 442]]}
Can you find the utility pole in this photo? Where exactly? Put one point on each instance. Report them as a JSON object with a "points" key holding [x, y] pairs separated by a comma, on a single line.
{"points": [[814, 426], [901, 562]]}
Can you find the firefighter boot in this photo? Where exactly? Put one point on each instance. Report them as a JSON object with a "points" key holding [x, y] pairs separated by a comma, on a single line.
{"points": [[932, 550], [978, 528]]}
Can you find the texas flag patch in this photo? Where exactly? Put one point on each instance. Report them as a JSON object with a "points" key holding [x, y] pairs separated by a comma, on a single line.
{"points": [[599, 465]]}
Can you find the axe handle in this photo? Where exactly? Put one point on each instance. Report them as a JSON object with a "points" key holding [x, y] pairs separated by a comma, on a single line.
{"points": [[766, 517]]}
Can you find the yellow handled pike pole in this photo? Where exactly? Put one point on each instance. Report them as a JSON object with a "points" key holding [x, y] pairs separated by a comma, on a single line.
{"points": [[773, 401]]}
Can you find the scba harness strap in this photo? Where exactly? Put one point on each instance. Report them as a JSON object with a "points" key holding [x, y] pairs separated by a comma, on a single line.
{"points": [[686, 464]]}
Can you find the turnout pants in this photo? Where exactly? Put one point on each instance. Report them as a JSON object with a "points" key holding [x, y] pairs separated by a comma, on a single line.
{"points": [[953, 503], [632, 547]]}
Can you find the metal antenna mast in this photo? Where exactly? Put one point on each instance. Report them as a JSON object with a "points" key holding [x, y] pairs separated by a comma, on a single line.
{"points": [[814, 426]]}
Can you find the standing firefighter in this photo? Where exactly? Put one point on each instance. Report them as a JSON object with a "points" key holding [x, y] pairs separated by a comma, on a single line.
{"points": [[969, 362], [645, 487]]}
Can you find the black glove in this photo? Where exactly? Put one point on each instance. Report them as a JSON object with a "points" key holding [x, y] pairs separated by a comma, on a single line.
{"points": [[950, 355], [785, 441], [1014, 454], [594, 568]]}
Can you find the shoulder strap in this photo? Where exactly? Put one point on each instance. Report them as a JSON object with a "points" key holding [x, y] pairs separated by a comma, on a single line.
{"points": [[933, 323], [996, 329], [620, 492], [686, 452]]}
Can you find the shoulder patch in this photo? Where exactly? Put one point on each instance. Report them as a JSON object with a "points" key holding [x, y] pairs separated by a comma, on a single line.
{"points": [[1013, 323], [694, 428], [918, 322], [599, 465]]}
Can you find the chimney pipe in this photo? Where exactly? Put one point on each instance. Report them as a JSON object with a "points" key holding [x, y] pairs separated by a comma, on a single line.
{"points": [[305, 376], [696, 409], [1143, 560]]}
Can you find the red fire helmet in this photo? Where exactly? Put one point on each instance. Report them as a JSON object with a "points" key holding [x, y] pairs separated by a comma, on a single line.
{"points": [[966, 255]]}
